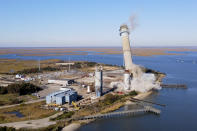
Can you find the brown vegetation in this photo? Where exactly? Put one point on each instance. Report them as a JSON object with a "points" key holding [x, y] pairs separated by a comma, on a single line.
{"points": [[146, 51], [109, 103], [17, 93], [15, 65], [9, 99], [30, 111]]}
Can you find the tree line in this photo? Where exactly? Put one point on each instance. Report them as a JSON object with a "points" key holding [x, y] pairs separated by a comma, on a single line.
{"points": [[36, 70], [20, 88]]}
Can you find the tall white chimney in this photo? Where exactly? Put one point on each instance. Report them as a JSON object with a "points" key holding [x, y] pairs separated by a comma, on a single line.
{"points": [[124, 33], [98, 81]]}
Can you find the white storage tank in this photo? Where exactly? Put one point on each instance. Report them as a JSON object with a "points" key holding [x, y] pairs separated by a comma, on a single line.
{"points": [[127, 80], [88, 89], [99, 81]]}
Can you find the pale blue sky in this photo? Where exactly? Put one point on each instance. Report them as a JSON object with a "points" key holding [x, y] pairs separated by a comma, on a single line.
{"points": [[26, 23]]}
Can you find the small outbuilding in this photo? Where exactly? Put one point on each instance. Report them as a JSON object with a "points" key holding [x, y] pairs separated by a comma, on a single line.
{"points": [[64, 82]]}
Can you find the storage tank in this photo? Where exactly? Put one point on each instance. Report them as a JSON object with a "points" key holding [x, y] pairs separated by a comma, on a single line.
{"points": [[98, 81], [88, 89]]}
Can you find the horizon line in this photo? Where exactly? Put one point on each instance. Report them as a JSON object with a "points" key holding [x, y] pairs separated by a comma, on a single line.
{"points": [[181, 46]]}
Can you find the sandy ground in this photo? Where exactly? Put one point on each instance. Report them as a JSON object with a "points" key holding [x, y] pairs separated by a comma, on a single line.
{"points": [[143, 95], [51, 88], [139, 96], [32, 123], [71, 127]]}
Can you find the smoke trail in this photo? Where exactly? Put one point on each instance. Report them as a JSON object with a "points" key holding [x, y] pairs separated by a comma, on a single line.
{"points": [[133, 22], [141, 82]]}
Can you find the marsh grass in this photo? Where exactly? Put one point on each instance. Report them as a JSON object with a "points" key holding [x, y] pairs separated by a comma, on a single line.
{"points": [[15, 65], [8, 99], [108, 104], [30, 111]]}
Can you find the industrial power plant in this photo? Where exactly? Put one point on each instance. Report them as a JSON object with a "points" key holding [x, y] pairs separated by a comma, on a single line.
{"points": [[65, 64], [82, 90], [101, 82], [61, 97]]}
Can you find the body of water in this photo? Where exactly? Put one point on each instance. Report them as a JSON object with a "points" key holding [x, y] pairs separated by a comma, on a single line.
{"points": [[180, 114], [17, 113]]}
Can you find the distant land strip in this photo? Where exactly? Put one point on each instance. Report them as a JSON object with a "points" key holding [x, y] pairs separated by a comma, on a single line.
{"points": [[145, 51]]}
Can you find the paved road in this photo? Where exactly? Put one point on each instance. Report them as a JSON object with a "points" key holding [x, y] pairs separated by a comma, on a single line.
{"points": [[28, 102], [32, 123]]}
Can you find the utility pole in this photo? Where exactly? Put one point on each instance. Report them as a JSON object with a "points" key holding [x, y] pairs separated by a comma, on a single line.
{"points": [[123, 63], [39, 64], [69, 64]]}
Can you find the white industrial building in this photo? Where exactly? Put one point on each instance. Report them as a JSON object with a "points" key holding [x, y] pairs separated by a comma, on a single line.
{"points": [[64, 82], [64, 64], [61, 97]]}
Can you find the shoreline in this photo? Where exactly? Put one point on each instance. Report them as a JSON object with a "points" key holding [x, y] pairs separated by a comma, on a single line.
{"points": [[76, 125], [71, 127]]}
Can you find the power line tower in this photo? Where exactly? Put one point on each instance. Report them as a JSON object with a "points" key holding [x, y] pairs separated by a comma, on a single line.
{"points": [[69, 64]]}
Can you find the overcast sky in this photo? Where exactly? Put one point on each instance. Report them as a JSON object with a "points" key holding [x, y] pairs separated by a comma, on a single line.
{"points": [[27, 23]]}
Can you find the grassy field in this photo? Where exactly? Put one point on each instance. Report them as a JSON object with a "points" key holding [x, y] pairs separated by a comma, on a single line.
{"points": [[108, 104], [30, 111], [9, 99], [10, 65]]}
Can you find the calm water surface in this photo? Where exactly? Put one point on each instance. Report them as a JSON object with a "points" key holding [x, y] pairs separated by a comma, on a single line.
{"points": [[180, 114], [17, 113]]}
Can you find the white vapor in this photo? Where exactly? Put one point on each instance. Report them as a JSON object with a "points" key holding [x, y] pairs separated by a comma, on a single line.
{"points": [[133, 22], [143, 82]]}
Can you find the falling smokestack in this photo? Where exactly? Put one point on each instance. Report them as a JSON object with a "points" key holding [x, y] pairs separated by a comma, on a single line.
{"points": [[124, 33]]}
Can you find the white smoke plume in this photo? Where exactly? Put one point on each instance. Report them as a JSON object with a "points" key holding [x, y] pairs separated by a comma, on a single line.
{"points": [[133, 22], [143, 82]]}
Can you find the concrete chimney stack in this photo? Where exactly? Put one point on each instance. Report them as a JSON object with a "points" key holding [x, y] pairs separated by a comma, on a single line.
{"points": [[99, 81], [124, 33]]}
